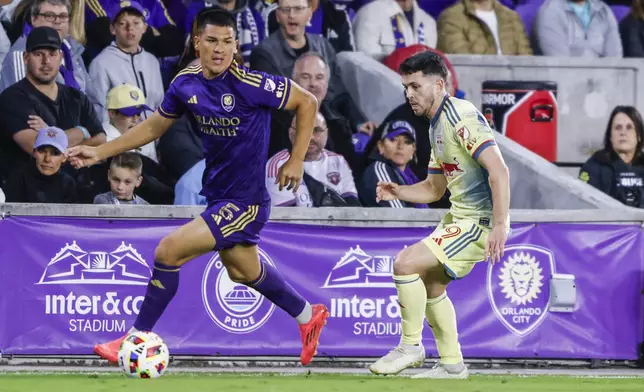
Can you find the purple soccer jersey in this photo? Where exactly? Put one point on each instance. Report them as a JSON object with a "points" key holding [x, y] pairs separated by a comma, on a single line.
{"points": [[232, 111]]}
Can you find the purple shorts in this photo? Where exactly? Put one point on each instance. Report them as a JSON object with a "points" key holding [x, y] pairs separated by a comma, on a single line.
{"points": [[232, 222]]}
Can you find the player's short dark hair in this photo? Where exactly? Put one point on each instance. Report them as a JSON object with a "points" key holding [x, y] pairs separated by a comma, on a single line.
{"points": [[428, 62], [215, 16], [128, 160]]}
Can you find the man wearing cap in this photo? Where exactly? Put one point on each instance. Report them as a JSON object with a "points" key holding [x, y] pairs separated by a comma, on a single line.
{"points": [[124, 61], [38, 101], [396, 149], [125, 103], [55, 14], [42, 180]]}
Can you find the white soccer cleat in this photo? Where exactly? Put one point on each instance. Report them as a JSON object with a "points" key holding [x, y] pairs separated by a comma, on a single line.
{"points": [[399, 359], [439, 371]]}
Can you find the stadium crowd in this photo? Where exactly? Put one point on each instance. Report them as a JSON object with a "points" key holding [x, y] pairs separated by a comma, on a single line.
{"points": [[86, 71]]}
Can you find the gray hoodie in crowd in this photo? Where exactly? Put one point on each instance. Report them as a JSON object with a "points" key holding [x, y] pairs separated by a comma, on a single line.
{"points": [[113, 67]]}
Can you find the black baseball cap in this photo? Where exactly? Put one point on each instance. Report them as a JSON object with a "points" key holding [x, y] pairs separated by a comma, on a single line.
{"points": [[43, 37]]}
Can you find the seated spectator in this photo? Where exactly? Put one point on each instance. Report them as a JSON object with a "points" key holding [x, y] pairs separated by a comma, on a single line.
{"points": [[42, 180], [124, 176], [311, 73], [396, 149], [618, 169], [125, 103], [124, 61], [277, 54], [327, 181], [250, 25], [37, 102], [482, 27], [180, 148], [329, 19], [631, 30], [162, 37], [54, 14], [187, 192], [576, 28], [383, 26]]}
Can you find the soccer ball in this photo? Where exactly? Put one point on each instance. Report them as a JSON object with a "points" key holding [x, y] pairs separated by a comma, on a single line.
{"points": [[143, 355]]}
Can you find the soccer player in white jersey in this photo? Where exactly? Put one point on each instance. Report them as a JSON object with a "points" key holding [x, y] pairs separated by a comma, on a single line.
{"points": [[465, 160]]}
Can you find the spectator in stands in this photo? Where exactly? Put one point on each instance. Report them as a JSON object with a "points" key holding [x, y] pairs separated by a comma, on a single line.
{"points": [[277, 53], [631, 30], [187, 192], [54, 14], [125, 104], [250, 25], [43, 181], [576, 28], [124, 61], [312, 73], [37, 101], [482, 27], [329, 19], [383, 26], [396, 149], [162, 37], [618, 169], [124, 177], [327, 182], [5, 45]]}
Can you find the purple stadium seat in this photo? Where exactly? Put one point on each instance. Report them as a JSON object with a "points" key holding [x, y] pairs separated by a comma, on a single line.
{"points": [[528, 13], [620, 11]]}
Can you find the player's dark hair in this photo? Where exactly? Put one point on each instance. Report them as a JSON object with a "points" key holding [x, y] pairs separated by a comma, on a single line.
{"points": [[429, 63], [128, 160], [215, 16], [636, 117]]}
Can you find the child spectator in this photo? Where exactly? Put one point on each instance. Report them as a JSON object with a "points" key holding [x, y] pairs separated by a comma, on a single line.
{"points": [[125, 103], [124, 176], [42, 181]]}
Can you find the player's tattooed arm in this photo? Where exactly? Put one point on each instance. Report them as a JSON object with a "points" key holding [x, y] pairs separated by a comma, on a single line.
{"points": [[427, 191]]}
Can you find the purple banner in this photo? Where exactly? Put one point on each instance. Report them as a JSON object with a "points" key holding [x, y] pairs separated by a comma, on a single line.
{"points": [[66, 284]]}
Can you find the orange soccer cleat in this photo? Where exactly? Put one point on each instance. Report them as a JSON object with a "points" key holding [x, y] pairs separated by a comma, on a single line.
{"points": [[110, 350], [311, 331]]}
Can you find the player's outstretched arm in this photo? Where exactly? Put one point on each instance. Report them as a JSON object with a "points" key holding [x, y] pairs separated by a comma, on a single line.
{"points": [[306, 106], [427, 191], [499, 177], [145, 132]]}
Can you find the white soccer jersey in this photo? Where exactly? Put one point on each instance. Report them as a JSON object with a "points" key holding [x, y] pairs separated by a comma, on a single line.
{"points": [[331, 169]]}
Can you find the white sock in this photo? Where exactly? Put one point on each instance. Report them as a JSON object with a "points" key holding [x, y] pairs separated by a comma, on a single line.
{"points": [[306, 314]]}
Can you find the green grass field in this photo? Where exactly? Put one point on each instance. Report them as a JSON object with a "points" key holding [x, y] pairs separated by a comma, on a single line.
{"points": [[312, 383]]}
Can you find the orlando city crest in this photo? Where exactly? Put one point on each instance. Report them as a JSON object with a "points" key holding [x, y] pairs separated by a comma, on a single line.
{"points": [[519, 287], [228, 102]]}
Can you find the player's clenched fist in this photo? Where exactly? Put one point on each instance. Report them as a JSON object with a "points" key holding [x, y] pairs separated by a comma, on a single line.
{"points": [[387, 191], [82, 156], [290, 174]]}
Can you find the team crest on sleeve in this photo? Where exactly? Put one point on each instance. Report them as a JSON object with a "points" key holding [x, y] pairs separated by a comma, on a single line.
{"points": [[232, 306], [269, 85], [228, 102], [519, 289]]}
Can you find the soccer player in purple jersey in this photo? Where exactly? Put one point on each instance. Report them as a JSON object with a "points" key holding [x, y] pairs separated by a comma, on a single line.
{"points": [[232, 106]]}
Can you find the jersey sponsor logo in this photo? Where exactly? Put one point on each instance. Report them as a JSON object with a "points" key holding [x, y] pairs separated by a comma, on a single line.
{"points": [[333, 177], [232, 306], [91, 310], [228, 102], [269, 85], [281, 86], [451, 169], [518, 287], [193, 100], [471, 143]]}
